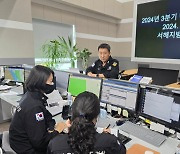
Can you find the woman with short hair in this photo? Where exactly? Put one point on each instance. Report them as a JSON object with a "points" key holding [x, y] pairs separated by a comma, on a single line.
{"points": [[32, 126]]}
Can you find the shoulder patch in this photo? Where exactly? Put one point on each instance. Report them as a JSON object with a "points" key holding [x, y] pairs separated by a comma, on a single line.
{"points": [[18, 108], [93, 65], [114, 64], [39, 116]]}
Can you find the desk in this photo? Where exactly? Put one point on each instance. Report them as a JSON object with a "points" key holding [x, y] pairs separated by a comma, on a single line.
{"points": [[11, 98], [7, 100], [167, 147], [128, 73], [174, 85]]}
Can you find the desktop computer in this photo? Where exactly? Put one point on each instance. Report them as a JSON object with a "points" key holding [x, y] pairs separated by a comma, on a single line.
{"points": [[15, 74], [62, 80], [1, 73], [120, 93], [160, 104], [79, 84]]}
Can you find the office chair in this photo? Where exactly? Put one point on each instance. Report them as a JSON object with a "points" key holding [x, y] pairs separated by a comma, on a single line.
{"points": [[120, 74], [5, 143]]}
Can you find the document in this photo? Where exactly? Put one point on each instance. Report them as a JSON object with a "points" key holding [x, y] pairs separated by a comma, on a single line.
{"points": [[136, 78], [54, 97], [146, 80]]}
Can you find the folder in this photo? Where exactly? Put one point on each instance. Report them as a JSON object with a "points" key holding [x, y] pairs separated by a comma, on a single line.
{"points": [[140, 149]]}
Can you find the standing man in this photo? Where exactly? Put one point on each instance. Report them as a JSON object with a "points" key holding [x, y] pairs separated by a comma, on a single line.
{"points": [[105, 66]]}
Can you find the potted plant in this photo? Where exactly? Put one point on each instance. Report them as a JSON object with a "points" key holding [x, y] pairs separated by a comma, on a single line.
{"points": [[84, 55], [69, 48], [53, 53]]}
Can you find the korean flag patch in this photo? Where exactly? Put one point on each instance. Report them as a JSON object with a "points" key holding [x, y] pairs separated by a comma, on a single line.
{"points": [[39, 116]]}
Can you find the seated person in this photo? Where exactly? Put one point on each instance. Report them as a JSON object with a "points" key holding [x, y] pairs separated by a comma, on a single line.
{"points": [[32, 126], [82, 137], [105, 66]]}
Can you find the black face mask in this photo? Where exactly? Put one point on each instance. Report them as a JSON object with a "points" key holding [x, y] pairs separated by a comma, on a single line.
{"points": [[49, 88]]}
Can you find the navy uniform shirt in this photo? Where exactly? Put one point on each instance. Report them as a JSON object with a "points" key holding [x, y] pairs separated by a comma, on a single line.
{"points": [[105, 144], [110, 70], [28, 131]]}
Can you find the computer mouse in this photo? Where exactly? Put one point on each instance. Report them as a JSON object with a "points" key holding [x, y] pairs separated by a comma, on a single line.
{"points": [[148, 152]]}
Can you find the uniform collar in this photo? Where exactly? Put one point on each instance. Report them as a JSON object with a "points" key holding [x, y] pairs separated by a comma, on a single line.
{"points": [[109, 60], [107, 63], [40, 96]]}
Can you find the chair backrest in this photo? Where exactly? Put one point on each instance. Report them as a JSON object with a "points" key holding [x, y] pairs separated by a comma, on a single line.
{"points": [[5, 143], [1, 152]]}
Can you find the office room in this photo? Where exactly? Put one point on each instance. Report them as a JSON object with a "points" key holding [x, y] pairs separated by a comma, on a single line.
{"points": [[143, 36]]}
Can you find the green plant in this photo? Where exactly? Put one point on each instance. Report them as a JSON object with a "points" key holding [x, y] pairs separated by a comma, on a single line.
{"points": [[84, 55], [69, 48], [53, 53]]}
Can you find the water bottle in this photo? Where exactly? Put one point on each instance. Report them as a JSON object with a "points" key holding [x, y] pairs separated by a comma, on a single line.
{"points": [[69, 99]]}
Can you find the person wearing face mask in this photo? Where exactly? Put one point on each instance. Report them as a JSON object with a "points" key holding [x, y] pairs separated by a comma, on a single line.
{"points": [[105, 66], [32, 126]]}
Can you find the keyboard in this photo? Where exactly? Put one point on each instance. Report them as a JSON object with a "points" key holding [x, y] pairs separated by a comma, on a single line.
{"points": [[142, 133]]}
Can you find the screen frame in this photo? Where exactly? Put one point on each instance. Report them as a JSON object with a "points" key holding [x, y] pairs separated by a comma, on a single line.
{"points": [[140, 59], [116, 80], [68, 73], [79, 75], [152, 118], [15, 67]]}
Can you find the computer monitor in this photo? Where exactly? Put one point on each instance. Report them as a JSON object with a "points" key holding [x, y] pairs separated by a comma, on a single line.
{"points": [[14, 74], [160, 104], [1, 72], [159, 76], [27, 70], [62, 80], [120, 93], [79, 84]]}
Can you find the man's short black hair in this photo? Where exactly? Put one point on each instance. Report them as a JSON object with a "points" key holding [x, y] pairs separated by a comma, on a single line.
{"points": [[104, 45], [37, 78]]}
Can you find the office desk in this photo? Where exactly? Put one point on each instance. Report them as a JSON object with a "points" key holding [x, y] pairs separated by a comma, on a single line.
{"points": [[174, 85], [128, 73], [167, 147], [7, 100], [11, 98]]}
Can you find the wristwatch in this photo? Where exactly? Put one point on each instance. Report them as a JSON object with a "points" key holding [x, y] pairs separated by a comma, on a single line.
{"points": [[97, 75]]}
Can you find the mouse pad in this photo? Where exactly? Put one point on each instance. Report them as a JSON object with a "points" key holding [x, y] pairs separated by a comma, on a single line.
{"points": [[140, 149]]}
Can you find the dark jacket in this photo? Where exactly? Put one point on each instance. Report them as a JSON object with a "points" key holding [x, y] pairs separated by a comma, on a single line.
{"points": [[28, 131], [110, 70], [105, 143]]}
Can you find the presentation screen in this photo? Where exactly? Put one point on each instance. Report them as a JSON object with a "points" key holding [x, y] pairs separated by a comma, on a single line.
{"points": [[156, 35]]}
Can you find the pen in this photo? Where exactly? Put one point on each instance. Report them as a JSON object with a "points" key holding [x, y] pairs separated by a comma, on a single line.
{"points": [[108, 126]]}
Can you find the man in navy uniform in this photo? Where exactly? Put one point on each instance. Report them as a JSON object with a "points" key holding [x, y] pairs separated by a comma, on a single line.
{"points": [[105, 66]]}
